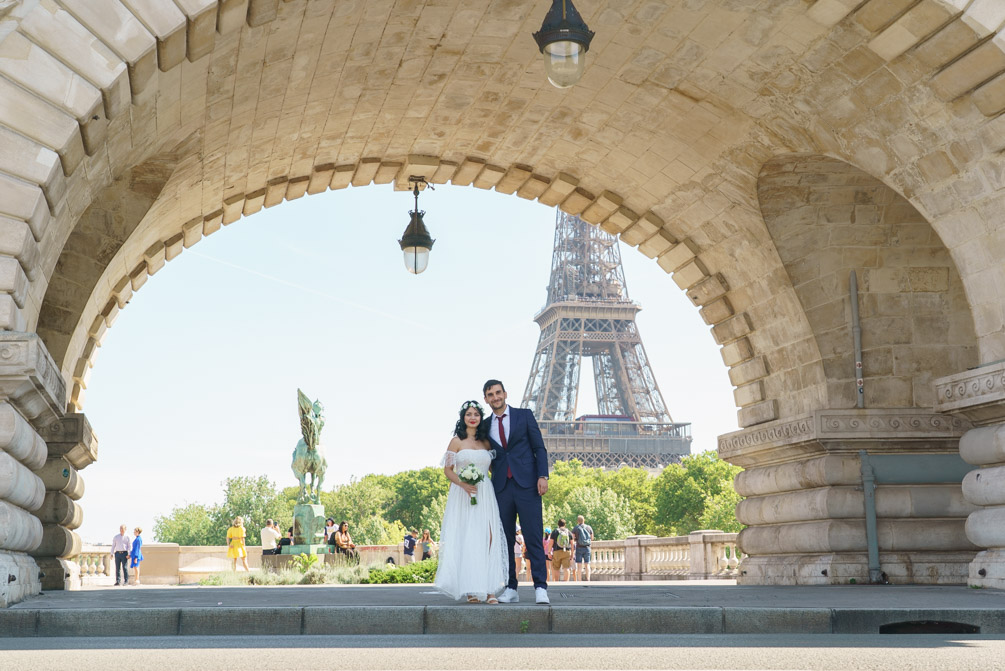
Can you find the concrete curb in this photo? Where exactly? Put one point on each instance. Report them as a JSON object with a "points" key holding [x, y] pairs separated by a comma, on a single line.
{"points": [[411, 620]]}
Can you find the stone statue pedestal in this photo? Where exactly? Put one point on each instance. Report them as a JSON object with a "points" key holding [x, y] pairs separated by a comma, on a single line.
{"points": [[308, 526], [312, 549]]}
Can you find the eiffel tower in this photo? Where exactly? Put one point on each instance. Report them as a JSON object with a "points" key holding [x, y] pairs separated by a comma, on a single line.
{"points": [[589, 314]]}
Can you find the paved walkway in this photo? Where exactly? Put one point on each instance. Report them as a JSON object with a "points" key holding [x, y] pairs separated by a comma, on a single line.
{"points": [[632, 608]]}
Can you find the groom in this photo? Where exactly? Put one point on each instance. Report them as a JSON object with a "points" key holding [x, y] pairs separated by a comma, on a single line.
{"points": [[520, 479]]}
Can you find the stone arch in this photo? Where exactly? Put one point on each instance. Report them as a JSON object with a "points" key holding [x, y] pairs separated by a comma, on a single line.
{"points": [[662, 142], [140, 61], [828, 218]]}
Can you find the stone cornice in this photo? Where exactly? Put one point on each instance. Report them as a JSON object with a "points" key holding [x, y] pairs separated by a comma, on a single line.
{"points": [[978, 395], [29, 379], [843, 431]]}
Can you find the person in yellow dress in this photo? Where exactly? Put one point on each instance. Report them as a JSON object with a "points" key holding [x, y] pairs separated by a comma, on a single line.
{"points": [[235, 543]]}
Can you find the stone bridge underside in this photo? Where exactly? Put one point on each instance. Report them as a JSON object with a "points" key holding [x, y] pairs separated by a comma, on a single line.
{"points": [[757, 150]]}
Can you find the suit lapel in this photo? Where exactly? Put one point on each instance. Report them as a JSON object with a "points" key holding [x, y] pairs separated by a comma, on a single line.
{"points": [[514, 424]]}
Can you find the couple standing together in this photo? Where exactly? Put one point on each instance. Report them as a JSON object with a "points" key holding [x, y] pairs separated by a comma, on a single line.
{"points": [[476, 559]]}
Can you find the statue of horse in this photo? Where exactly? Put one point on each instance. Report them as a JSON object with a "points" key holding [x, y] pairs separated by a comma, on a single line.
{"points": [[309, 457]]}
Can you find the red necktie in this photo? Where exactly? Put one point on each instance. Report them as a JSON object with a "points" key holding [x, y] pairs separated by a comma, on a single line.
{"points": [[502, 440]]}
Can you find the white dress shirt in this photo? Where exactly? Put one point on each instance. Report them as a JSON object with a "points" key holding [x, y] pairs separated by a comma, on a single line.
{"points": [[121, 543], [494, 426], [270, 535]]}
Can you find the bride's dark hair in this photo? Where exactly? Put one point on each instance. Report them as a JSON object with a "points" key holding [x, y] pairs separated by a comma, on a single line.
{"points": [[461, 429]]}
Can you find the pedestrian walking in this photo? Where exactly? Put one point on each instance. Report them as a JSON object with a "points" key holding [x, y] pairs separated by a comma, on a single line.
{"points": [[584, 539], [562, 554]]}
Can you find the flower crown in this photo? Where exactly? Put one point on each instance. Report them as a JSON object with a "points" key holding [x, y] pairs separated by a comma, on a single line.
{"points": [[472, 404]]}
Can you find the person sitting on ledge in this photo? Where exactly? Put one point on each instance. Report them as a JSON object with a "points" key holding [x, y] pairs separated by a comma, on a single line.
{"points": [[344, 544], [288, 540]]}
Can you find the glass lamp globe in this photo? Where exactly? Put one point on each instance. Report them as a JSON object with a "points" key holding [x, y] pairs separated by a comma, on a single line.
{"points": [[416, 259], [415, 243], [564, 63]]}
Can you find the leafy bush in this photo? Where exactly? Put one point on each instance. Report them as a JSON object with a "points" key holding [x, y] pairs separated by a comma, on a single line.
{"points": [[419, 572], [303, 562]]}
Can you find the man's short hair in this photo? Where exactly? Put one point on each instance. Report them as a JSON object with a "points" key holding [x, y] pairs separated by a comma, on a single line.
{"points": [[580, 519], [491, 383], [561, 522], [268, 523]]}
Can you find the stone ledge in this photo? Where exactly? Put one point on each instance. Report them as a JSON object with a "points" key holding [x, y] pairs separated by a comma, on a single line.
{"points": [[843, 431], [978, 394]]}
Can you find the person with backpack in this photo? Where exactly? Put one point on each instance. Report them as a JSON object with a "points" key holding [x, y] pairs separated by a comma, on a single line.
{"points": [[561, 558], [584, 538]]}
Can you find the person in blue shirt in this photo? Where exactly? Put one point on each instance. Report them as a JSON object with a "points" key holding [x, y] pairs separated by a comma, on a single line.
{"points": [[136, 555], [411, 539]]}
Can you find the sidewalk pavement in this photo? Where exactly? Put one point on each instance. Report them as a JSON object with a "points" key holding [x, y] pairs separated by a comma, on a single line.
{"points": [[678, 607]]}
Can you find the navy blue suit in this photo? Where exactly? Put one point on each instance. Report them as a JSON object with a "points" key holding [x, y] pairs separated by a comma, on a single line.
{"points": [[526, 457]]}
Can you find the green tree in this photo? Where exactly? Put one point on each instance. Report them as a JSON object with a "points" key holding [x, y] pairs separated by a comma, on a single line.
{"points": [[255, 499], [567, 476], [606, 511], [188, 525], [432, 516], [413, 491], [637, 488], [720, 512], [361, 503], [682, 491]]}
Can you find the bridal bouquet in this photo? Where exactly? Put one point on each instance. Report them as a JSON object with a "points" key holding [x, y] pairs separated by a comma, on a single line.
{"points": [[470, 475]]}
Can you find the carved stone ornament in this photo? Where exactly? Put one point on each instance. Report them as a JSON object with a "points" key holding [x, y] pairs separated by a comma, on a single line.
{"points": [[840, 431], [977, 394], [30, 380]]}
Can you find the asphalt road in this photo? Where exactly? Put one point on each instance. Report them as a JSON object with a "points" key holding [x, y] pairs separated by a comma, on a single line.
{"points": [[528, 651]]}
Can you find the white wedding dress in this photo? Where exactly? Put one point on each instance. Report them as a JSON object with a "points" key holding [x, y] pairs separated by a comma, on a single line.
{"points": [[473, 555]]}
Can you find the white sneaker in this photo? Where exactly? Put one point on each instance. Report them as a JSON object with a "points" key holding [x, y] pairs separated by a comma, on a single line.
{"points": [[509, 595], [541, 595]]}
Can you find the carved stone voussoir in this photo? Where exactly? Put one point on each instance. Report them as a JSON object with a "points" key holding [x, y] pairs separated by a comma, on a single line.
{"points": [[978, 395], [29, 378], [6, 6], [843, 431], [71, 437]]}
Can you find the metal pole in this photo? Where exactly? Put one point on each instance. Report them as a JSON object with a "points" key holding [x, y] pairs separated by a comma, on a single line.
{"points": [[869, 489], [856, 329]]}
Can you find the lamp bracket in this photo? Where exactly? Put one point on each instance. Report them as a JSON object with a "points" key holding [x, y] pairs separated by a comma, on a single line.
{"points": [[420, 180]]}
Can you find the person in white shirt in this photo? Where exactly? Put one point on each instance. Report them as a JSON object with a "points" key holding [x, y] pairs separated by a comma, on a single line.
{"points": [[121, 545], [270, 536]]}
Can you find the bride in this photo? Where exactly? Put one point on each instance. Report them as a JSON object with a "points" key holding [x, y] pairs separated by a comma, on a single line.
{"points": [[473, 554]]}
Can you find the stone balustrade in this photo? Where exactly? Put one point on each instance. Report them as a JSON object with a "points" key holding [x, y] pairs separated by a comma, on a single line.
{"points": [[700, 555]]}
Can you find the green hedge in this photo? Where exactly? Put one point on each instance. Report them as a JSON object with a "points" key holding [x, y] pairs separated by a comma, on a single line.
{"points": [[419, 572]]}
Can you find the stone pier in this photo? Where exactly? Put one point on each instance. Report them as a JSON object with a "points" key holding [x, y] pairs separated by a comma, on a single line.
{"points": [[979, 395], [805, 505], [35, 523]]}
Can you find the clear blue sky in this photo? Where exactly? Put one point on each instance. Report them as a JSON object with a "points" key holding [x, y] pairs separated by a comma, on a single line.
{"points": [[197, 380]]}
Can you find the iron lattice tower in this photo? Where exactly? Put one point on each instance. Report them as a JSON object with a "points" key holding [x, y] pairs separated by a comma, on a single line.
{"points": [[589, 314]]}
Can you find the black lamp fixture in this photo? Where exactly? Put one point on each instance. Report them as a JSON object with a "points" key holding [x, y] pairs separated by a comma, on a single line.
{"points": [[416, 243], [564, 39]]}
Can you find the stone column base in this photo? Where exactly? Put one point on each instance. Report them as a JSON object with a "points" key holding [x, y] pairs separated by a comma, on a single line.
{"points": [[979, 395], [25, 572], [59, 573], [844, 568], [988, 569]]}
